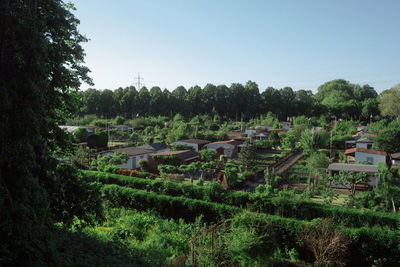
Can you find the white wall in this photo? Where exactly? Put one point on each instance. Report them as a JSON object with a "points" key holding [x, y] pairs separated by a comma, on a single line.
{"points": [[133, 161], [363, 145], [360, 156]]}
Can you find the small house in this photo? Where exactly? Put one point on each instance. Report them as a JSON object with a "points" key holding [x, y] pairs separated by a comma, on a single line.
{"points": [[374, 157], [360, 143], [135, 154], [229, 148], [371, 170]]}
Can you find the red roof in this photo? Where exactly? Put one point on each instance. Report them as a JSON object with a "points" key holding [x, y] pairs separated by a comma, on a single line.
{"points": [[364, 150]]}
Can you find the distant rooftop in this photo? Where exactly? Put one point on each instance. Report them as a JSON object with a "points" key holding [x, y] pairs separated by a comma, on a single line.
{"points": [[195, 141], [154, 146], [131, 151], [364, 150]]}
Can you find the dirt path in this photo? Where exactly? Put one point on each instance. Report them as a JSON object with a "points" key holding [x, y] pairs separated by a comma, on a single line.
{"points": [[289, 163], [250, 186]]}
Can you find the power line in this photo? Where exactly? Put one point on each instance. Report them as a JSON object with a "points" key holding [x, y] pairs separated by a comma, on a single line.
{"points": [[139, 79]]}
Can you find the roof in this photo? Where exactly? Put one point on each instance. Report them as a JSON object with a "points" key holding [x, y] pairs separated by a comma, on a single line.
{"points": [[154, 146], [231, 142], [362, 133], [365, 140], [353, 167], [278, 130], [395, 155], [364, 150], [132, 151], [70, 129], [195, 141], [184, 154]]}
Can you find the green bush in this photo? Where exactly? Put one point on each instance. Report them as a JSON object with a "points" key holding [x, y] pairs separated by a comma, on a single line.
{"points": [[281, 206], [81, 134], [367, 244], [167, 206]]}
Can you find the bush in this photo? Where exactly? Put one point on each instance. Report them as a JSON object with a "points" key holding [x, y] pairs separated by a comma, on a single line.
{"points": [[74, 197], [144, 165], [281, 206], [118, 120], [111, 168], [81, 134], [367, 244], [167, 206]]}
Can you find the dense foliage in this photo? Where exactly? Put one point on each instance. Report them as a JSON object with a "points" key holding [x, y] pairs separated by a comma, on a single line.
{"points": [[335, 98]]}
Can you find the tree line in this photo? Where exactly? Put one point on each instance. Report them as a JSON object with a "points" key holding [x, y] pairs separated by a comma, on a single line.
{"points": [[338, 98]]}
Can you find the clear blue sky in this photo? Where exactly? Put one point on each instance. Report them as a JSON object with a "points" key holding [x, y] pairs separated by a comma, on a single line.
{"points": [[301, 44]]}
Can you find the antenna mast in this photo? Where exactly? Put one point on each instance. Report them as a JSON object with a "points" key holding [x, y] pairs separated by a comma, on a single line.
{"points": [[139, 79]]}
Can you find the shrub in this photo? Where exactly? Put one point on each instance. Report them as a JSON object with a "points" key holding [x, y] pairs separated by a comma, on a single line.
{"points": [[144, 165], [81, 134], [167, 206], [282, 206], [111, 168], [118, 120]]}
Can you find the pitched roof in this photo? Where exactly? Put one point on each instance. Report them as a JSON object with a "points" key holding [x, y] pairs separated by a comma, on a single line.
{"points": [[195, 141], [277, 130], [231, 142], [132, 151], [154, 146], [363, 133], [364, 150], [353, 167], [395, 155], [184, 154], [364, 140]]}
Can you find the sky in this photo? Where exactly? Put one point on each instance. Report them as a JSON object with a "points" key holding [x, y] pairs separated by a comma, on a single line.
{"points": [[301, 44]]}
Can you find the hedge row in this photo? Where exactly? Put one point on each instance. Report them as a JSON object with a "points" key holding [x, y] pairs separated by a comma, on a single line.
{"points": [[167, 206], [235, 198], [348, 217], [367, 246], [302, 210]]}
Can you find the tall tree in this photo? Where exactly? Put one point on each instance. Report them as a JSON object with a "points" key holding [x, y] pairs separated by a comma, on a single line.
{"points": [[389, 102], [41, 68]]}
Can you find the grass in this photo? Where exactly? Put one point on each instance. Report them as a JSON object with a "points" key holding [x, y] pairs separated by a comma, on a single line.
{"points": [[340, 201]]}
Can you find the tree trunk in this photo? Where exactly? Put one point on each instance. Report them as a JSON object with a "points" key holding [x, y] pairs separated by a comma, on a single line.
{"points": [[394, 207]]}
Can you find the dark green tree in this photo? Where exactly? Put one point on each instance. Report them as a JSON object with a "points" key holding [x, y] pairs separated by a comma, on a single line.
{"points": [[41, 69], [247, 156]]}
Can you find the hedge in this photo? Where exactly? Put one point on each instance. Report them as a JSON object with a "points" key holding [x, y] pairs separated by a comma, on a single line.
{"points": [[235, 198], [167, 206], [284, 207], [368, 244], [348, 217]]}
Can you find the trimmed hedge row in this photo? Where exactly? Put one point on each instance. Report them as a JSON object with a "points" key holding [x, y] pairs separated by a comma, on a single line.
{"points": [[368, 244], [348, 217], [235, 198], [302, 210], [167, 206]]}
